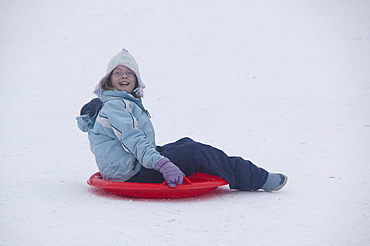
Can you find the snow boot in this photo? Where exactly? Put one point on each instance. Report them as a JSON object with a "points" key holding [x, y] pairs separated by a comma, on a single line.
{"points": [[274, 182]]}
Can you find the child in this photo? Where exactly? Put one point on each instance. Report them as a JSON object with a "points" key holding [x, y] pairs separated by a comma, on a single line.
{"points": [[121, 137]]}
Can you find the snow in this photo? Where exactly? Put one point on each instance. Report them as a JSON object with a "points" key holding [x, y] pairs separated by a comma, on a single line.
{"points": [[283, 83]]}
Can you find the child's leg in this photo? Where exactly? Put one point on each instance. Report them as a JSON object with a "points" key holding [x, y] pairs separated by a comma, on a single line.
{"points": [[192, 157], [147, 176]]}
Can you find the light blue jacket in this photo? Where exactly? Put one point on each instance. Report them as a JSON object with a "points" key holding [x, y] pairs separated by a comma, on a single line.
{"points": [[121, 136]]}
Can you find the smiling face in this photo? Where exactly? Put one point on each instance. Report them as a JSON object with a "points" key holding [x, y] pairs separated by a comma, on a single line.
{"points": [[123, 79]]}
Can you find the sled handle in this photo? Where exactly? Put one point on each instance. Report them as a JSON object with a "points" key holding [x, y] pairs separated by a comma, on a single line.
{"points": [[185, 181]]}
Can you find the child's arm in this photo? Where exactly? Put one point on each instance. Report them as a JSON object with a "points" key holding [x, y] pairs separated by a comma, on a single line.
{"points": [[132, 139]]}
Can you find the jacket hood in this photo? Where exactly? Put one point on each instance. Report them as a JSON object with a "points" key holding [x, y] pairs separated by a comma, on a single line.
{"points": [[84, 122], [88, 114], [90, 110]]}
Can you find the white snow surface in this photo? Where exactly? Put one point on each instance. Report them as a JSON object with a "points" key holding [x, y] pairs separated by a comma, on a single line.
{"points": [[283, 83]]}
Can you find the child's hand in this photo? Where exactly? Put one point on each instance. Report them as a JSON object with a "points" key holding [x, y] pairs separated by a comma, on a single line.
{"points": [[171, 173]]}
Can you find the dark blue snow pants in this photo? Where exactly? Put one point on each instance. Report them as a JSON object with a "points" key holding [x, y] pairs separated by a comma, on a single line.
{"points": [[192, 157]]}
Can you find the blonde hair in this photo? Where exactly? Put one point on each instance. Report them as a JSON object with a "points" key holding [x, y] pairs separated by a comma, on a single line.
{"points": [[106, 83]]}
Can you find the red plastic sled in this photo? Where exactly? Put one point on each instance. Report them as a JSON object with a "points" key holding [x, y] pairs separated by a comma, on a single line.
{"points": [[194, 185]]}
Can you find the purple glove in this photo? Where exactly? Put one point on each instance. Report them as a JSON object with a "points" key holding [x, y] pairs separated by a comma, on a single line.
{"points": [[171, 173]]}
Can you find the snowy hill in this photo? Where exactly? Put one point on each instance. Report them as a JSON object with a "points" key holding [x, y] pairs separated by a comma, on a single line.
{"points": [[283, 83]]}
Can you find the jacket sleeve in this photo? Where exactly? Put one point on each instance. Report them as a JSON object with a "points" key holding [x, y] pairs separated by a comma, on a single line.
{"points": [[132, 139]]}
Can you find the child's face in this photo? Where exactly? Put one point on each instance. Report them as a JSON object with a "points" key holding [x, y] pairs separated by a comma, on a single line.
{"points": [[123, 79]]}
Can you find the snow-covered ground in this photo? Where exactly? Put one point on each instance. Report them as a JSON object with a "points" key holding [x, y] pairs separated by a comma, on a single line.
{"points": [[283, 83]]}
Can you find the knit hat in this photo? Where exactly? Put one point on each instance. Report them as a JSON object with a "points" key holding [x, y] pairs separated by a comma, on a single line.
{"points": [[124, 58]]}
